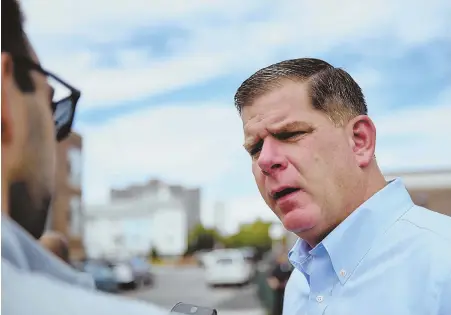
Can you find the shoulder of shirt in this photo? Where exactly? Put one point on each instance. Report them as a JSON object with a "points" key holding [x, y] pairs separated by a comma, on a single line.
{"points": [[296, 282], [46, 295], [433, 223]]}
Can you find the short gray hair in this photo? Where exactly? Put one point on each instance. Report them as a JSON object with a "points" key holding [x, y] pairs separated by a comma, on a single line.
{"points": [[332, 90]]}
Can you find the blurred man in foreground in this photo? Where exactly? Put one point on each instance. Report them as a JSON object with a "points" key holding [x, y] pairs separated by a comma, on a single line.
{"points": [[33, 280], [57, 244], [364, 247]]}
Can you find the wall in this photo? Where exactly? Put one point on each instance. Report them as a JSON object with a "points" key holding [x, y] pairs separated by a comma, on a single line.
{"points": [[132, 226], [66, 214], [430, 189], [119, 237], [436, 199], [170, 232], [189, 197]]}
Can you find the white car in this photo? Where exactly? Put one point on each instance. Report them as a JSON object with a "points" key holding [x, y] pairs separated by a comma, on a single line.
{"points": [[226, 267], [123, 273]]}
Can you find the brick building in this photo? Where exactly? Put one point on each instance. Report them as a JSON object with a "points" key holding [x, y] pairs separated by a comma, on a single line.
{"points": [[66, 213]]}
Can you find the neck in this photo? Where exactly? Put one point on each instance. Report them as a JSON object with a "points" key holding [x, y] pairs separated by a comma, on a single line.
{"points": [[374, 183], [369, 185]]}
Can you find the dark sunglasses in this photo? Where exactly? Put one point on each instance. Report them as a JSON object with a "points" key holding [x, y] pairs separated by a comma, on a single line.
{"points": [[63, 108]]}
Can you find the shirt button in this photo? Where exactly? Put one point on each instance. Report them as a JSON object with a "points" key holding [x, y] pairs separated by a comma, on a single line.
{"points": [[343, 273], [319, 298]]}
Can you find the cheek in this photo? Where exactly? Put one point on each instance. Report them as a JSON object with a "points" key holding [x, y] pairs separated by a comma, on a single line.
{"points": [[316, 159], [305, 156]]}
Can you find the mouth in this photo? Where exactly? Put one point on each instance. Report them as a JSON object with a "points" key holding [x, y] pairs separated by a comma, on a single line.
{"points": [[284, 192]]}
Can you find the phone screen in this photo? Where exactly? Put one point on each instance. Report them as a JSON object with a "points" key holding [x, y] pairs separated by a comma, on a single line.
{"points": [[190, 309]]}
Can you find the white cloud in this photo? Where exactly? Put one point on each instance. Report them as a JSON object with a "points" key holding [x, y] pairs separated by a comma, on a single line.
{"points": [[192, 144], [198, 145], [423, 120], [234, 43]]}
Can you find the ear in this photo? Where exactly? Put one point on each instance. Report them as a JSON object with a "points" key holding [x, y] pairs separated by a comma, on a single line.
{"points": [[363, 139], [7, 77]]}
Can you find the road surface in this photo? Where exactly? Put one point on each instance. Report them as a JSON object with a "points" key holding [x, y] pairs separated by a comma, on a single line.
{"points": [[186, 284]]}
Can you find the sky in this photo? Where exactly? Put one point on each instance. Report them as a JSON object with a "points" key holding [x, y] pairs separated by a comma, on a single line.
{"points": [[158, 80]]}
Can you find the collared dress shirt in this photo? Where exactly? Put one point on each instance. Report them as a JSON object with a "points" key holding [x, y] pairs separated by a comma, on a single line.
{"points": [[389, 257], [35, 282]]}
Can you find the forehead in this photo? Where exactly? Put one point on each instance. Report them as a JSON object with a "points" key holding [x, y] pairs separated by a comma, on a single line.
{"points": [[287, 103]]}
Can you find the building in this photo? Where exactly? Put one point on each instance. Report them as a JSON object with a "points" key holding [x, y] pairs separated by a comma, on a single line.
{"points": [[430, 189], [132, 227], [66, 212], [140, 218], [220, 219], [190, 198]]}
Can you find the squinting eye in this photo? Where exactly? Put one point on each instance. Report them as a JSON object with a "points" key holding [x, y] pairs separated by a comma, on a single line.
{"points": [[288, 135], [255, 149]]}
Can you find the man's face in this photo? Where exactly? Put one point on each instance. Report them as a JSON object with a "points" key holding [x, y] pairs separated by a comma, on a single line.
{"points": [[302, 163], [28, 147]]}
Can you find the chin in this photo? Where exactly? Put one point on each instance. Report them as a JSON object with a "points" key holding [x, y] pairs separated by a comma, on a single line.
{"points": [[301, 220], [29, 213]]}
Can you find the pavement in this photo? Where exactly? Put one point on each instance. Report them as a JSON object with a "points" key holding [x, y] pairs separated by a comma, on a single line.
{"points": [[187, 284]]}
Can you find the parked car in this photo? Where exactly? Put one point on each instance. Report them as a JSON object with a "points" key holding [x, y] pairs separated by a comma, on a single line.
{"points": [[104, 277], [250, 254], [142, 271], [124, 275], [201, 256], [228, 267]]}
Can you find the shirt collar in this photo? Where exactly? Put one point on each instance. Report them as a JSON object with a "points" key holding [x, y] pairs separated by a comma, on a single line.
{"points": [[25, 253], [348, 243]]}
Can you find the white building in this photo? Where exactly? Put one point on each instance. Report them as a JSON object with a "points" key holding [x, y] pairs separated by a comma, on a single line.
{"points": [[220, 219], [126, 228]]}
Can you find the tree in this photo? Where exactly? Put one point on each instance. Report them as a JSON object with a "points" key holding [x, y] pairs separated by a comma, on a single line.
{"points": [[251, 235], [201, 238], [154, 254]]}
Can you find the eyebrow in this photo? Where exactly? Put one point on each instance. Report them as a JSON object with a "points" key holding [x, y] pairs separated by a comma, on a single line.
{"points": [[290, 126]]}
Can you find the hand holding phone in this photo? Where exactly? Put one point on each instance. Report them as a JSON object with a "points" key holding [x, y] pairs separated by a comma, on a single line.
{"points": [[190, 309]]}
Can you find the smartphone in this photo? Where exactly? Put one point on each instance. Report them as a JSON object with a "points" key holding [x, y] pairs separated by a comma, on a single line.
{"points": [[190, 309]]}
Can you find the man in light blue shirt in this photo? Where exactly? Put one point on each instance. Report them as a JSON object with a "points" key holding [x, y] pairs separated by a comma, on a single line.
{"points": [[364, 247], [34, 281]]}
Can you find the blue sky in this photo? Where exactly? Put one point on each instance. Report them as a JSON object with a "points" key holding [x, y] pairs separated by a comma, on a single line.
{"points": [[158, 79]]}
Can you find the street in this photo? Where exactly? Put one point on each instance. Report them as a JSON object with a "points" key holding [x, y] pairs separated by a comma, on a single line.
{"points": [[186, 284]]}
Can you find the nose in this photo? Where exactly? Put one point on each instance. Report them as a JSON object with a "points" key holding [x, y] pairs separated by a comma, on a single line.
{"points": [[270, 159]]}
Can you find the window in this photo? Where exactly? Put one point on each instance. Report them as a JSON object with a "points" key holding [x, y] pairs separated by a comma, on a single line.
{"points": [[75, 216], [164, 193], [75, 166]]}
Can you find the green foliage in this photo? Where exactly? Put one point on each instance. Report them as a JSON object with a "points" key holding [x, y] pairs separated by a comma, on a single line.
{"points": [[249, 235], [154, 253], [201, 238]]}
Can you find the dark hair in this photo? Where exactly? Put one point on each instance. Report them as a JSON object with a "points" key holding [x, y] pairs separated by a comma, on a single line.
{"points": [[331, 89], [15, 42]]}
